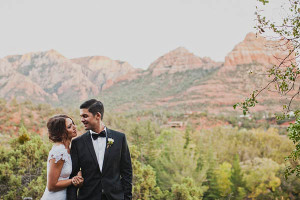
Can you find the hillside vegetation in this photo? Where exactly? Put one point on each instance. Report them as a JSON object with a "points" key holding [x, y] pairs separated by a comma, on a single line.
{"points": [[182, 164]]}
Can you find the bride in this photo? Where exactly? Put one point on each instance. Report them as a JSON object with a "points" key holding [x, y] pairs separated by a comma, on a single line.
{"points": [[61, 129]]}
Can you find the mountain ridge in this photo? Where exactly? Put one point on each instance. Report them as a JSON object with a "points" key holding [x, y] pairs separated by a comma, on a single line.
{"points": [[177, 78]]}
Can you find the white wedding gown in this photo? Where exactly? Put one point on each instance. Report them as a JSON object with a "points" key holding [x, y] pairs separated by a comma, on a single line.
{"points": [[58, 152]]}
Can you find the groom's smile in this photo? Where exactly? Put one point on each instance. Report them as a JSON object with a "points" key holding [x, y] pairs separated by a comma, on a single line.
{"points": [[90, 121]]}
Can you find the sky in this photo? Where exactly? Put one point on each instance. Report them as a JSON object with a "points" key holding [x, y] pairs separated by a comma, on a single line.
{"points": [[136, 31]]}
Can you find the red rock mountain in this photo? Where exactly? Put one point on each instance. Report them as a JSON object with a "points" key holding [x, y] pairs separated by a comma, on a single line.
{"points": [[256, 48], [179, 60], [242, 73], [50, 77], [14, 84], [202, 84], [178, 79], [103, 71]]}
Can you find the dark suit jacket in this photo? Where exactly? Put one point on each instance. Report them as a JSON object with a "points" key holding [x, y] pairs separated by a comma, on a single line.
{"points": [[115, 180]]}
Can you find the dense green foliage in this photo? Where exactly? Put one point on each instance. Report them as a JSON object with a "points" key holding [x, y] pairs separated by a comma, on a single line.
{"points": [[187, 164], [294, 135], [23, 168], [284, 77]]}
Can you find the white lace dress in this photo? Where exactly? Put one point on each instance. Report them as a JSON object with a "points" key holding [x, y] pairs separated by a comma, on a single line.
{"points": [[58, 152]]}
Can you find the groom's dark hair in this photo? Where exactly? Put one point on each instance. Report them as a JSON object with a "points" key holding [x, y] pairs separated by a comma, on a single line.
{"points": [[93, 107]]}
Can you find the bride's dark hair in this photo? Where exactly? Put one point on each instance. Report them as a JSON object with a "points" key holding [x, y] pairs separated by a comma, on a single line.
{"points": [[57, 128]]}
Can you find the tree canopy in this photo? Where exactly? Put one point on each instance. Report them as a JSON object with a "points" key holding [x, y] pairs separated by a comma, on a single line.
{"points": [[284, 76]]}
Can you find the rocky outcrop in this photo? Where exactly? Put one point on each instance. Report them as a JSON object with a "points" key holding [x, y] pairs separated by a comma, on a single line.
{"points": [[103, 71], [179, 60], [54, 74], [16, 85], [50, 77], [257, 49]]}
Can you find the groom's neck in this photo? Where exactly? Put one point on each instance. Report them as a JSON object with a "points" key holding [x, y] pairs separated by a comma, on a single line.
{"points": [[99, 128]]}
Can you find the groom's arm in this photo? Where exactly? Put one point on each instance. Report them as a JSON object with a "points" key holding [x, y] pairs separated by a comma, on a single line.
{"points": [[126, 170], [72, 190]]}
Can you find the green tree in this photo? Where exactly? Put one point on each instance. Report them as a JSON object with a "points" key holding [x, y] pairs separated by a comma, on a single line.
{"points": [[23, 135], [174, 161], [187, 136], [187, 190], [23, 167], [290, 188], [238, 185], [223, 174], [143, 137], [294, 135], [144, 179], [260, 176], [213, 192], [285, 75]]}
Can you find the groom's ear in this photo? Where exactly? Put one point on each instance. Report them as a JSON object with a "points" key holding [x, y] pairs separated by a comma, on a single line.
{"points": [[98, 115]]}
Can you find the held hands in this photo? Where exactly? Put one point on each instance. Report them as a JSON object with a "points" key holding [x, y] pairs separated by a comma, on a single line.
{"points": [[77, 181]]}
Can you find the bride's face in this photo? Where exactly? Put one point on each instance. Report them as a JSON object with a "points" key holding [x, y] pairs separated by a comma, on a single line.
{"points": [[71, 128]]}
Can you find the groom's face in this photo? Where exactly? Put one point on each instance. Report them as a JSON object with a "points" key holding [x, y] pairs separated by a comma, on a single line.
{"points": [[90, 121]]}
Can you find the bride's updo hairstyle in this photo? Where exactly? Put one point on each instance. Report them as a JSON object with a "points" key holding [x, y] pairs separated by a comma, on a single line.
{"points": [[57, 128]]}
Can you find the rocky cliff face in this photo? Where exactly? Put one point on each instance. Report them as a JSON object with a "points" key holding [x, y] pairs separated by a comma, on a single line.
{"points": [[179, 60], [55, 74], [257, 49], [103, 71], [205, 84], [242, 73], [15, 85], [202, 84], [49, 76]]}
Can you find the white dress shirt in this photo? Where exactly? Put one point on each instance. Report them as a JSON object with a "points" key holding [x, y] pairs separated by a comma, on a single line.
{"points": [[99, 147]]}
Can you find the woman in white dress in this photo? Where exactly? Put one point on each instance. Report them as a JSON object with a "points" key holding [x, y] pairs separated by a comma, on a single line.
{"points": [[61, 130]]}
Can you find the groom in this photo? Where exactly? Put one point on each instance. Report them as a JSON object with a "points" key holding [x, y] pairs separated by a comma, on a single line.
{"points": [[103, 157]]}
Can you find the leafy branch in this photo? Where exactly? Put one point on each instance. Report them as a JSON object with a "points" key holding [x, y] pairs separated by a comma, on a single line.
{"points": [[285, 74]]}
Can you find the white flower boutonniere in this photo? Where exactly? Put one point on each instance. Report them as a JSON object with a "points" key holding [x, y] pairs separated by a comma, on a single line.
{"points": [[110, 142]]}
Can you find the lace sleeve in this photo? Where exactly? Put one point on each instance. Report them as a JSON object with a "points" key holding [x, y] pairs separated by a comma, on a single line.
{"points": [[58, 153]]}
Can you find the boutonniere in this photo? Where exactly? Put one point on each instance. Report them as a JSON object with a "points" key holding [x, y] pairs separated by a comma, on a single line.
{"points": [[110, 142]]}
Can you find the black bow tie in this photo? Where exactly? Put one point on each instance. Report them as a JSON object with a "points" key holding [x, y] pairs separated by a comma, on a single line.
{"points": [[96, 135]]}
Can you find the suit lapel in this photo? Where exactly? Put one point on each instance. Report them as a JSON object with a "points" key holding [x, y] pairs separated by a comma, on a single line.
{"points": [[89, 144], [107, 150]]}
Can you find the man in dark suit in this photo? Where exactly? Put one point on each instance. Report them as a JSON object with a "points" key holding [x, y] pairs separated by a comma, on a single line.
{"points": [[102, 156]]}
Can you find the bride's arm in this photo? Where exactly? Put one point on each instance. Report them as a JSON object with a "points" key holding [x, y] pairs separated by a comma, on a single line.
{"points": [[53, 183]]}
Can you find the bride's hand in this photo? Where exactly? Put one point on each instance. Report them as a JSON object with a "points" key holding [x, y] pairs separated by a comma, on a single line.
{"points": [[77, 181]]}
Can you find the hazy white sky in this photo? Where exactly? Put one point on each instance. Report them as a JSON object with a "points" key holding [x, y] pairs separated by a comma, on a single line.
{"points": [[136, 31]]}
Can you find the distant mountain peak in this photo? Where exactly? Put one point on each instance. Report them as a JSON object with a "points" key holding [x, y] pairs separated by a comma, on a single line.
{"points": [[28, 56], [102, 63], [257, 49], [53, 54], [102, 70], [251, 37], [179, 59], [180, 50], [50, 55]]}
